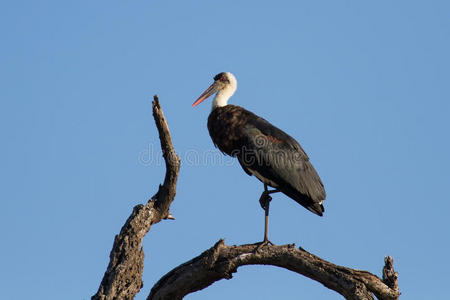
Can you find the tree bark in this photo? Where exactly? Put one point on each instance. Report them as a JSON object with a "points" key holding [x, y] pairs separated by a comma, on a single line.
{"points": [[220, 261], [123, 277]]}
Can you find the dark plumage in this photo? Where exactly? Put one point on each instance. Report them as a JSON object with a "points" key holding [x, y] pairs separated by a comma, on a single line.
{"points": [[267, 152]]}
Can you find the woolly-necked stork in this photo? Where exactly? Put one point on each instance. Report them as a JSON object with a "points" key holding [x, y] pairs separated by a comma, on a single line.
{"points": [[263, 150]]}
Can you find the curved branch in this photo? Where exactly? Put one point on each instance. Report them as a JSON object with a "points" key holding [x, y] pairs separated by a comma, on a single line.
{"points": [[123, 277], [221, 261]]}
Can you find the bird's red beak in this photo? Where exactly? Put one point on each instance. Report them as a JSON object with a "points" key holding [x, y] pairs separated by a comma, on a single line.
{"points": [[213, 88]]}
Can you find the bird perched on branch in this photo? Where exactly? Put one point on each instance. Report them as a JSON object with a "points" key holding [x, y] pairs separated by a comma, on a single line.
{"points": [[263, 150]]}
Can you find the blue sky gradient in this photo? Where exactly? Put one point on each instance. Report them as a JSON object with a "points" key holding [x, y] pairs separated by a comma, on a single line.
{"points": [[363, 86]]}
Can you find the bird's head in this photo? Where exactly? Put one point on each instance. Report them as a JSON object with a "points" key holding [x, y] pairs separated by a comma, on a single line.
{"points": [[224, 85]]}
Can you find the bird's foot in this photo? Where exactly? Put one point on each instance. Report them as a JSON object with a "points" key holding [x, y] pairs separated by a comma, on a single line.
{"points": [[265, 199], [263, 244]]}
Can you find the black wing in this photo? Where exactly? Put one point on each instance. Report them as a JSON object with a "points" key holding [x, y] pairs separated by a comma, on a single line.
{"points": [[277, 159]]}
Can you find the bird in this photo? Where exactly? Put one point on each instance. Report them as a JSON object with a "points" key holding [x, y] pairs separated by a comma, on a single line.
{"points": [[263, 150]]}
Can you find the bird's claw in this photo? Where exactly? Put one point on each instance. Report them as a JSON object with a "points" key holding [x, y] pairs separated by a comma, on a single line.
{"points": [[262, 244]]}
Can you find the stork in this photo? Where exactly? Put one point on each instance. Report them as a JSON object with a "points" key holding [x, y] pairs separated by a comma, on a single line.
{"points": [[263, 150]]}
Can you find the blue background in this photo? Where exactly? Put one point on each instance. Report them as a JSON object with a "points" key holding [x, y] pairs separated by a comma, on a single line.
{"points": [[362, 85]]}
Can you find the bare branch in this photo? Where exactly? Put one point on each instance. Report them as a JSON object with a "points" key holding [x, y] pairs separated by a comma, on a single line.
{"points": [[167, 191], [221, 261], [390, 277], [123, 277]]}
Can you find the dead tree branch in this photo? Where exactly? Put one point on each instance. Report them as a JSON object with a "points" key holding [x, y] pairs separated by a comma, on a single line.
{"points": [[123, 277], [221, 261]]}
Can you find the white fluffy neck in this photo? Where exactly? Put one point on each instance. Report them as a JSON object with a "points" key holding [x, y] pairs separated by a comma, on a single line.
{"points": [[224, 94], [221, 98]]}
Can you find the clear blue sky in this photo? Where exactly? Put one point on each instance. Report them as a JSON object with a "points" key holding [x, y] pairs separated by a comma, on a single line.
{"points": [[362, 85]]}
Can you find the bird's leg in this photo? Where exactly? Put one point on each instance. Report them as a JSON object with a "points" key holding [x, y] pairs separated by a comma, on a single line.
{"points": [[264, 200], [266, 221]]}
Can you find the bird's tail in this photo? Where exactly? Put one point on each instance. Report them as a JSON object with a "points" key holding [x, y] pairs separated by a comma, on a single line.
{"points": [[313, 206], [316, 208]]}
